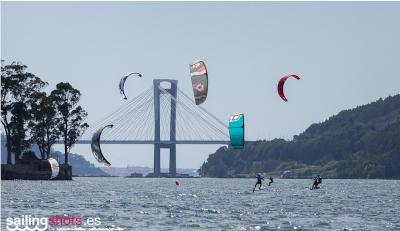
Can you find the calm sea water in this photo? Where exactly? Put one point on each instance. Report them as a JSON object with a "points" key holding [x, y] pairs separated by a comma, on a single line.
{"points": [[210, 204]]}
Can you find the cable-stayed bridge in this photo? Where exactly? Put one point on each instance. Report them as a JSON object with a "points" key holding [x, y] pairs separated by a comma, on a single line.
{"points": [[163, 116]]}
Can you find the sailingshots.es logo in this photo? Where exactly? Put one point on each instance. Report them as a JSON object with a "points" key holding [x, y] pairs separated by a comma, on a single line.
{"points": [[27, 222], [31, 223]]}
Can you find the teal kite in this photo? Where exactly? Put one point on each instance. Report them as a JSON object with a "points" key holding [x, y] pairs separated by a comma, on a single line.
{"points": [[236, 130]]}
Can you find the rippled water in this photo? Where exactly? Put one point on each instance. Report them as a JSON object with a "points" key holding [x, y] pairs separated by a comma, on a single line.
{"points": [[210, 204]]}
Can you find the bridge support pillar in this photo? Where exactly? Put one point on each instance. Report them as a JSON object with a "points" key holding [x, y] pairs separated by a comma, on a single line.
{"points": [[157, 160], [172, 161], [157, 124]]}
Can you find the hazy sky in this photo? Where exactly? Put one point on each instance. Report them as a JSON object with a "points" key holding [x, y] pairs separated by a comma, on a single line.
{"points": [[346, 53]]}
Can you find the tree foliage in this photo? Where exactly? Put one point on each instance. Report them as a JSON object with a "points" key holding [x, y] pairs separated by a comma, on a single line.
{"points": [[44, 123], [72, 115], [17, 88], [30, 116]]}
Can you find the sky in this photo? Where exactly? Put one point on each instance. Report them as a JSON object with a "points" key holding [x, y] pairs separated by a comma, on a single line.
{"points": [[346, 53]]}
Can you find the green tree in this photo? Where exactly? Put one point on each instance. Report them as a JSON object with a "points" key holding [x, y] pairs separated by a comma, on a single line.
{"points": [[17, 86], [72, 115], [18, 128], [44, 123]]}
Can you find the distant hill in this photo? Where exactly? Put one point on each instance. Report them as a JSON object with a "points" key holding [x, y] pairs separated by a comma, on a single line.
{"points": [[80, 166], [363, 142], [126, 171]]}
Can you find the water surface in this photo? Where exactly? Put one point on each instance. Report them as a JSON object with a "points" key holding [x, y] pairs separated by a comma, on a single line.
{"points": [[210, 204]]}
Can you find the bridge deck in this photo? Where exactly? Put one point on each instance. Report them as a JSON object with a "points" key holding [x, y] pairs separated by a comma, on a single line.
{"points": [[153, 142]]}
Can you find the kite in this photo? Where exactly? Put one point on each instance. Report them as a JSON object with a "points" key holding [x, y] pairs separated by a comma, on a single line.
{"points": [[95, 145], [55, 168], [236, 130], [282, 83], [122, 82], [199, 75]]}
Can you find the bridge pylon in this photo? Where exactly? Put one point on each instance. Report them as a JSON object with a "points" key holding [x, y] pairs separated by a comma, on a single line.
{"points": [[157, 126]]}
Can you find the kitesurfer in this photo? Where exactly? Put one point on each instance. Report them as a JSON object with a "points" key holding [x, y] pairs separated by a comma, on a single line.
{"points": [[317, 181], [271, 180], [259, 181], [177, 183]]}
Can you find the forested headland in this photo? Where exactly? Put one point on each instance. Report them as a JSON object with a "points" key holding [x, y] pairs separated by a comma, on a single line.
{"points": [[363, 142]]}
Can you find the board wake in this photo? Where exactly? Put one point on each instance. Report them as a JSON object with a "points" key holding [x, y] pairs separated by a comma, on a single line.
{"points": [[258, 189]]}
